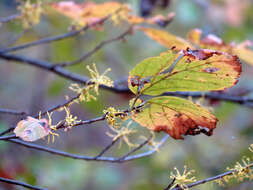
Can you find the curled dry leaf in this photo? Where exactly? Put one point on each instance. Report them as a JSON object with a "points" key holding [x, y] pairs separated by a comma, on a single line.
{"points": [[31, 129], [165, 38], [159, 20], [175, 116], [211, 41], [88, 12], [196, 39], [188, 70], [91, 13]]}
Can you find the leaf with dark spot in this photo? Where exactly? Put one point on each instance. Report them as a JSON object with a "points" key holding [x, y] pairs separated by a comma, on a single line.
{"points": [[175, 116], [188, 70]]}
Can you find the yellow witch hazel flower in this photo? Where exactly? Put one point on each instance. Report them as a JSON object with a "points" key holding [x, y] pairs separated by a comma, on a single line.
{"points": [[242, 170], [111, 115], [98, 79], [83, 91], [182, 180], [120, 14], [70, 119], [30, 13], [53, 127]]}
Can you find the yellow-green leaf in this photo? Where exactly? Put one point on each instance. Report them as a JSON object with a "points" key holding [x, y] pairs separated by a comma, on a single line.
{"points": [[191, 70], [175, 116]]}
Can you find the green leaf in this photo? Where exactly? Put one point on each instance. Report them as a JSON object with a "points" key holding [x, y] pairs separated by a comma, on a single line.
{"points": [[190, 70], [175, 116]]}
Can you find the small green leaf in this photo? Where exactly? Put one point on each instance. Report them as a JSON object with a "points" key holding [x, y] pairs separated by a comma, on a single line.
{"points": [[188, 70], [175, 116]]}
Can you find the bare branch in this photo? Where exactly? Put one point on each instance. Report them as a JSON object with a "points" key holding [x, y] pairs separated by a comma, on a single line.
{"points": [[170, 184], [9, 18], [47, 40], [8, 137], [88, 158], [98, 47], [12, 112], [107, 148], [220, 176], [136, 148], [56, 107], [15, 38], [7, 131], [20, 183], [244, 100]]}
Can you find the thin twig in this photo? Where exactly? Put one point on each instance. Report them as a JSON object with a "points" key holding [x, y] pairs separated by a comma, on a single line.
{"points": [[7, 131], [47, 40], [15, 38], [98, 47], [107, 148], [9, 18], [12, 112], [88, 158], [220, 176], [244, 100], [8, 137], [20, 183], [170, 184], [56, 107], [136, 148]]}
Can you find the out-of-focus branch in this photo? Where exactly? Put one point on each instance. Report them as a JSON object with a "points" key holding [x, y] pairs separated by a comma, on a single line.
{"points": [[220, 176], [9, 18], [8, 137], [98, 47], [20, 183], [136, 148], [15, 38], [108, 147], [244, 100], [91, 158], [56, 107], [12, 112], [47, 40]]}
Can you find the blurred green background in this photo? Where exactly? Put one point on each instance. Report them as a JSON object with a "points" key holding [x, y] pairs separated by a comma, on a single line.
{"points": [[30, 89]]}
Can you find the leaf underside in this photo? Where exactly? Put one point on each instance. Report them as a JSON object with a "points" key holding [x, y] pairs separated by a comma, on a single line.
{"points": [[175, 116]]}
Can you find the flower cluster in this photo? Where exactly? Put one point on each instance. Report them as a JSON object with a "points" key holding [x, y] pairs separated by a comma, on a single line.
{"points": [[181, 180], [30, 13], [97, 79], [53, 127], [70, 120]]}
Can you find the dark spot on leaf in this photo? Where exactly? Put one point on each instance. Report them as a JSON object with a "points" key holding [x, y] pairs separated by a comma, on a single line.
{"points": [[201, 54], [211, 69]]}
